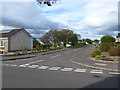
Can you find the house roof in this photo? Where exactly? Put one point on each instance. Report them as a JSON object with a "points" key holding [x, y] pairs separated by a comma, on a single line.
{"points": [[8, 33]]}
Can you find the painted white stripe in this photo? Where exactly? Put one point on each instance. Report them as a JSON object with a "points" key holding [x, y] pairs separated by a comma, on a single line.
{"points": [[80, 70], [22, 66], [66, 69], [53, 56], [43, 67], [114, 73], [33, 66], [5, 64], [68, 52], [33, 62], [54, 68], [13, 65], [101, 64], [75, 50], [96, 71]]}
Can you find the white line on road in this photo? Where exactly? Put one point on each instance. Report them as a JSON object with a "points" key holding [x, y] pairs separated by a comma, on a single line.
{"points": [[55, 56], [80, 70], [54, 68], [22, 65], [96, 71], [66, 69], [5, 64], [114, 73], [43, 67], [33, 62], [33, 66], [75, 50], [13, 65], [68, 52], [101, 64]]}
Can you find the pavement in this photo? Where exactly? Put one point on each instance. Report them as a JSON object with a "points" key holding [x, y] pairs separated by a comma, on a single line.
{"points": [[17, 57], [56, 70]]}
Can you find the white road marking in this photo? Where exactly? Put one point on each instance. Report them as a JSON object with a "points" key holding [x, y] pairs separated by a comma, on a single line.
{"points": [[80, 70], [54, 68], [114, 73], [5, 64], [43, 67], [101, 64], [96, 71], [22, 66], [75, 50], [33, 62], [55, 56], [33, 66], [13, 65], [68, 52], [66, 69]]}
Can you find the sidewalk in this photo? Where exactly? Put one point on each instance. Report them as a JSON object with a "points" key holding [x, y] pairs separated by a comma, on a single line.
{"points": [[96, 64], [10, 57], [6, 58]]}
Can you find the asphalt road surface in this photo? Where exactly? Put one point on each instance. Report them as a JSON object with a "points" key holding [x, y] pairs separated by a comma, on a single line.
{"points": [[55, 70]]}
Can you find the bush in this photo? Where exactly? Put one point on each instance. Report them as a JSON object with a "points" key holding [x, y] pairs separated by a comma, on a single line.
{"points": [[115, 51], [52, 48], [97, 57], [105, 47], [95, 52], [17, 53]]}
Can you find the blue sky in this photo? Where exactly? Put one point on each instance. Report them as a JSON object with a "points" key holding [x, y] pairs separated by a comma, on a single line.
{"points": [[89, 18]]}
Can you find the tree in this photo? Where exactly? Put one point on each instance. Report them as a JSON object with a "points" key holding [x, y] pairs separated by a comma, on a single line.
{"points": [[55, 37], [118, 35], [35, 43], [88, 41], [107, 38], [96, 41]]}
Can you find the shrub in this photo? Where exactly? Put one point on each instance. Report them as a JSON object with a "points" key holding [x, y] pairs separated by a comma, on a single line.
{"points": [[97, 57], [52, 48], [95, 52], [17, 52], [107, 38], [105, 47], [115, 51]]}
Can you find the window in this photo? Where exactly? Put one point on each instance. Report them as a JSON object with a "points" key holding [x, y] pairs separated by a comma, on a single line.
{"points": [[2, 43]]}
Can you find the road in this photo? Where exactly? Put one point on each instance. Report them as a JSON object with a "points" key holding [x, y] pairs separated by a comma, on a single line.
{"points": [[56, 70]]}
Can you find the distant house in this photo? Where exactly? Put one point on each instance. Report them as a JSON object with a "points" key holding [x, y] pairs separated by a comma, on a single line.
{"points": [[16, 39], [118, 39]]}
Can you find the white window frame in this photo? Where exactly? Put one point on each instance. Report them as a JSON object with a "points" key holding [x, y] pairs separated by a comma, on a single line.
{"points": [[3, 43]]}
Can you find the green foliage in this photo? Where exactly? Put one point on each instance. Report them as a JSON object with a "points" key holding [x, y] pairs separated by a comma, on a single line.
{"points": [[105, 47], [96, 41], [107, 38], [97, 57], [88, 41], [35, 43], [52, 48], [95, 52], [115, 51], [56, 37], [17, 52], [118, 35]]}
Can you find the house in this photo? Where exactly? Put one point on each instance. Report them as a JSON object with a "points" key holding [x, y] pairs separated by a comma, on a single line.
{"points": [[118, 39], [14, 40]]}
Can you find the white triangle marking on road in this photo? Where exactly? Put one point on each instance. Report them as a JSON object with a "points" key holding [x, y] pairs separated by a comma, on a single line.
{"points": [[96, 71], [80, 70]]}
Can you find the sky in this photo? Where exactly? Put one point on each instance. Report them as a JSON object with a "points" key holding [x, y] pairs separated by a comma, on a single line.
{"points": [[89, 18]]}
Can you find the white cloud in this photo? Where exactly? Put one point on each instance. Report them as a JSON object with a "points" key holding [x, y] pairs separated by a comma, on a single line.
{"points": [[98, 17]]}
